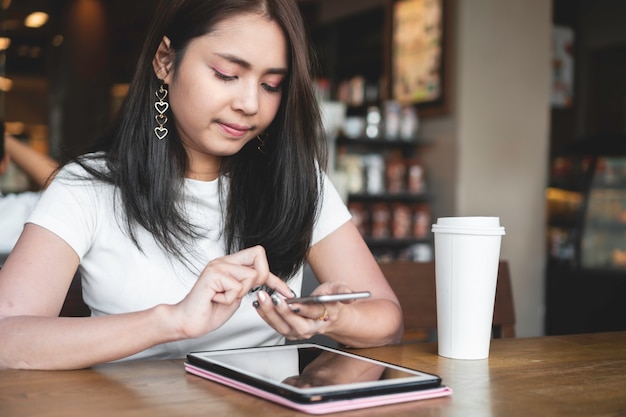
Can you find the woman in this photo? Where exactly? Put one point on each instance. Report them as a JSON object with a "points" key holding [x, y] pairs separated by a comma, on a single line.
{"points": [[208, 196]]}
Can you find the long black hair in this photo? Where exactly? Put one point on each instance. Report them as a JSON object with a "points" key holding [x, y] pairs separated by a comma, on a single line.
{"points": [[273, 196]]}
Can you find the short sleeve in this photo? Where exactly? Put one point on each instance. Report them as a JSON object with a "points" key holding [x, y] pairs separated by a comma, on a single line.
{"points": [[333, 212], [67, 208]]}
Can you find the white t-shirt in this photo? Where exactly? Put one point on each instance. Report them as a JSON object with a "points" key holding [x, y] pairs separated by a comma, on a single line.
{"points": [[14, 210], [117, 277]]}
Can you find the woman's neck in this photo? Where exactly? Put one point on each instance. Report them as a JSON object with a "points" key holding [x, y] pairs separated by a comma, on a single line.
{"points": [[203, 169]]}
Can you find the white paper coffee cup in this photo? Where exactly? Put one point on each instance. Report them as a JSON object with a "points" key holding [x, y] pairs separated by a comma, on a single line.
{"points": [[467, 253]]}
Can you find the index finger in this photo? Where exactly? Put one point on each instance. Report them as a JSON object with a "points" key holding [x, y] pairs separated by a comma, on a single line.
{"points": [[277, 284], [256, 258]]}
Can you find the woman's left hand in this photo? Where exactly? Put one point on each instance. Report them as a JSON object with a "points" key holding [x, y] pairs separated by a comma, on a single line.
{"points": [[341, 262], [299, 320]]}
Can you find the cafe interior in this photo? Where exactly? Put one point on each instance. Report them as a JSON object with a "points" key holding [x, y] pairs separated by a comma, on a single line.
{"points": [[515, 100]]}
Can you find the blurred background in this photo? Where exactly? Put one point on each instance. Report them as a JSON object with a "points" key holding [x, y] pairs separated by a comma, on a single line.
{"points": [[529, 126]]}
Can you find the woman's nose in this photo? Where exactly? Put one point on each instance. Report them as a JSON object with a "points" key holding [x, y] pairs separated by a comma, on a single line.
{"points": [[247, 99]]}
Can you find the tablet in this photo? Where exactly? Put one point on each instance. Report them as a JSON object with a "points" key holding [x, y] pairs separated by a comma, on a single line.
{"points": [[313, 378]]}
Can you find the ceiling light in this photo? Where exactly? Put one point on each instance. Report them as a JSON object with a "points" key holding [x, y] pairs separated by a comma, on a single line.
{"points": [[36, 19], [4, 43]]}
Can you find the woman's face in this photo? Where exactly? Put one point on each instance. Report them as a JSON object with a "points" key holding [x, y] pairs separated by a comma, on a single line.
{"points": [[227, 89]]}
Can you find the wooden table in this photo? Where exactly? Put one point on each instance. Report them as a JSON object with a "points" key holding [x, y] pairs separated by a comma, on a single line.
{"points": [[576, 375]]}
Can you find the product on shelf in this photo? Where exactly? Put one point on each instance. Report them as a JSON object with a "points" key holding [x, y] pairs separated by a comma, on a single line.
{"points": [[415, 176], [381, 216], [421, 220], [374, 173], [401, 220], [396, 174]]}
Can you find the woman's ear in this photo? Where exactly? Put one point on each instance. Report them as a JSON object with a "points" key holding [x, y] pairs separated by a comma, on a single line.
{"points": [[163, 60]]}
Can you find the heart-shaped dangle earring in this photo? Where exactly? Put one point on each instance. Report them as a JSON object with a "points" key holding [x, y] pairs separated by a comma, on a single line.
{"points": [[161, 107]]}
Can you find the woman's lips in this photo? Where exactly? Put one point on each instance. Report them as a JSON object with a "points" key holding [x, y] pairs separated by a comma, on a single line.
{"points": [[234, 130]]}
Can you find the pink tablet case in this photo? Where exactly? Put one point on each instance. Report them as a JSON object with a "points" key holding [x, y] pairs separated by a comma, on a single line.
{"points": [[323, 407]]}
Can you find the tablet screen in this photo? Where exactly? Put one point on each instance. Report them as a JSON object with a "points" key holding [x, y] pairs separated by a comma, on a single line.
{"points": [[311, 372]]}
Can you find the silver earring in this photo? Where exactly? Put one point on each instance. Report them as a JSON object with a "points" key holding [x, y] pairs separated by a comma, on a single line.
{"points": [[161, 107]]}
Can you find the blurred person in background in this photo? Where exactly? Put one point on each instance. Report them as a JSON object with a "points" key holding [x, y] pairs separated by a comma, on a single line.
{"points": [[16, 207]]}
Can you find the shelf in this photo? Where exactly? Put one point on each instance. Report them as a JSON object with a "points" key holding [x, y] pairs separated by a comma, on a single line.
{"points": [[605, 185], [394, 169], [390, 197], [561, 223], [383, 143], [586, 263], [572, 186], [605, 225]]}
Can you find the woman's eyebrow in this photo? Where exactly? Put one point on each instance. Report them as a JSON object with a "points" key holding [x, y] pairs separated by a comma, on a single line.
{"points": [[246, 65]]}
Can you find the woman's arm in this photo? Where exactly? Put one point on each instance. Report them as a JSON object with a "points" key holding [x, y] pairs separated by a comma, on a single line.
{"points": [[33, 284], [341, 258], [35, 279], [36, 165]]}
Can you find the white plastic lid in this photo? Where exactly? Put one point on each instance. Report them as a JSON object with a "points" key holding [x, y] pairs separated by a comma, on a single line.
{"points": [[471, 221], [474, 225]]}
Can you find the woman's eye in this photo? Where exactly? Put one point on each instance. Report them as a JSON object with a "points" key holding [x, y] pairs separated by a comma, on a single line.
{"points": [[271, 88], [224, 77]]}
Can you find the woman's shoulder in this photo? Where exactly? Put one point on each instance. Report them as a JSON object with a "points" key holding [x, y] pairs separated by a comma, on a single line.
{"points": [[85, 167], [83, 180]]}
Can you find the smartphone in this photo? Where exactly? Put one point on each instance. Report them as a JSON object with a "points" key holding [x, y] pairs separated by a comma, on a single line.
{"points": [[329, 298]]}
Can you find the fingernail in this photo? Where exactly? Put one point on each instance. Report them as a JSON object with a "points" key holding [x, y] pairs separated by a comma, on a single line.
{"points": [[256, 304], [293, 292], [295, 309], [275, 300], [261, 296]]}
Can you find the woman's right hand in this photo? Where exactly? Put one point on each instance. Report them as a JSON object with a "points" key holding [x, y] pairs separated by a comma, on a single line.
{"points": [[30, 318], [220, 287]]}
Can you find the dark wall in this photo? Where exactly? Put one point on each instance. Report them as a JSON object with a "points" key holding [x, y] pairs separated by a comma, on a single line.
{"points": [[599, 105]]}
